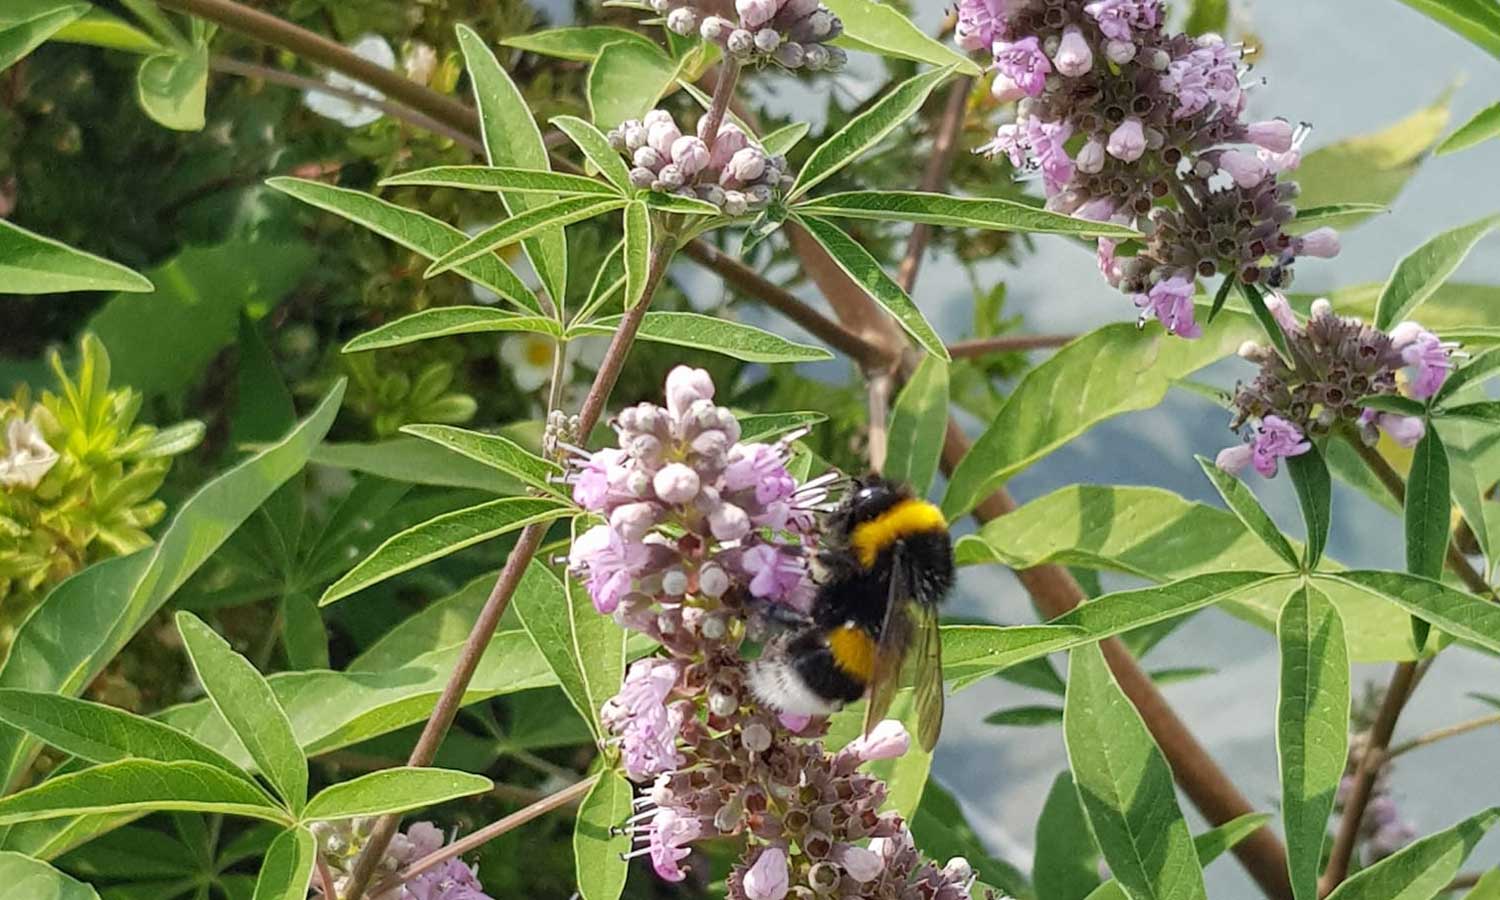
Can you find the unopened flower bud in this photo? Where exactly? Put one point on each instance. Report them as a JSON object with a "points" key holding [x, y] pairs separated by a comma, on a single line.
{"points": [[1090, 159], [1128, 141], [790, 54], [815, 57], [768, 878], [887, 740], [755, 13], [958, 869], [837, 58], [683, 20], [715, 29], [1404, 430], [661, 136], [1119, 52], [722, 704], [1073, 57], [729, 522], [713, 581], [757, 196], [735, 203], [1281, 311], [676, 484], [1234, 459], [767, 40], [757, 737], [671, 177], [741, 42], [1321, 308], [713, 627], [689, 154], [1320, 242], [633, 520], [1246, 169], [712, 193], [647, 158], [1251, 351], [1274, 135], [686, 386]]}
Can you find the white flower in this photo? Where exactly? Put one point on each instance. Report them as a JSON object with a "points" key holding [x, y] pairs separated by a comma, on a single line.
{"points": [[529, 357], [372, 47], [28, 458]]}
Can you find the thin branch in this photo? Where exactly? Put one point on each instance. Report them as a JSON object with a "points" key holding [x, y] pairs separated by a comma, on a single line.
{"points": [[1007, 344], [938, 165], [729, 75], [880, 388], [325, 877], [1438, 734]]}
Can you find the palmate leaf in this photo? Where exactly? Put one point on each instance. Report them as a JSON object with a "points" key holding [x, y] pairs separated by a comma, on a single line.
{"points": [[512, 139], [919, 418], [1312, 728], [445, 321], [287, 869], [866, 129], [393, 790], [32, 878], [85, 621], [733, 339], [443, 535], [1126, 786], [599, 846], [1116, 369], [1422, 870], [1484, 126], [141, 785], [994, 214], [413, 230], [1423, 271], [32, 264]]}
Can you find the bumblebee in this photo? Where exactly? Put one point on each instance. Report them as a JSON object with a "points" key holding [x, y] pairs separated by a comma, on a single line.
{"points": [[885, 566]]}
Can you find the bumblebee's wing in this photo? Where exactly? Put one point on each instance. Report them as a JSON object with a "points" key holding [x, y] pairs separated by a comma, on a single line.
{"points": [[895, 637], [928, 669]]}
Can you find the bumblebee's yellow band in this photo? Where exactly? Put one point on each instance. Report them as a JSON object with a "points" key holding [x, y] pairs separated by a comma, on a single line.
{"points": [[853, 651], [906, 518]]}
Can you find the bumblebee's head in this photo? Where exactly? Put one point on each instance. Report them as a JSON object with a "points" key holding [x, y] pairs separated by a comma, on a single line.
{"points": [[868, 498]]}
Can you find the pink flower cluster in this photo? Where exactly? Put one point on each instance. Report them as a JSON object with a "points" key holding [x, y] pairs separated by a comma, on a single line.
{"points": [[1117, 115], [736, 175], [706, 543], [340, 843], [1335, 361], [794, 34]]}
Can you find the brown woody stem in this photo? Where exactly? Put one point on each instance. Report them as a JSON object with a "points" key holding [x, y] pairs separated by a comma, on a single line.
{"points": [[1441, 734], [1007, 344]]}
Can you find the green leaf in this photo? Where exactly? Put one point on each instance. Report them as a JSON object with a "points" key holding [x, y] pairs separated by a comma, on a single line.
{"points": [[1126, 786], [940, 831], [865, 271], [972, 653], [1470, 480], [28, 24], [597, 848], [1309, 476], [993, 214], [1484, 125], [85, 621], [626, 80], [1025, 716], [733, 339], [445, 321], [98, 28], [783, 139], [1393, 403], [443, 535], [1330, 214], [1067, 859], [1487, 411], [512, 139], [1424, 270], [1209, 846], [246, 702], [578, 44], [1207, 16], [32, 264], [1461, 614], [414, 461], [918, 420], [638, 245], [503, 180], [536, 220], [905, 776], [1312, 728], [890, 33], [765, 426], [287, 870], [1123, 611], [1422, 870], [1064, 397], [674, 203], [1428, 509], [494, 450], [1477, 370], [1268, 323], [1241, 501], [99, 733], [1477, 20], [586, 650], [1488, 887], [35, 880], [303, 633], [393, 790], [413, 230], [1369, 169], [867, 129], [140, 785], [172, 88], [596, 149]]}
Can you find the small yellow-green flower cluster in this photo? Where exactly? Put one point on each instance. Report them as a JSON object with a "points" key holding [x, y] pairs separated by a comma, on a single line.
{"points": [[78, 478]]}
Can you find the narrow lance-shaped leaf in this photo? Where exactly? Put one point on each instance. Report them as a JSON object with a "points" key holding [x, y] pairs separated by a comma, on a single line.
{"points": [[1312, 728], [865, 271], [32, 264], [599, 847], [1480, 368], [443, 535], [1422, 870], [991, 213], [533, 221], [287, 870], [866, 129], [1419, 275], [512, 138], [139, 786], [1459, 613], [247, 703], [733, 339], [413, 230], [637, 251], [1268, 324], [918, 420], [501, 179], [1484, 125], [1209, 846], [596, 149], [1309, 475], [494, 450], [580, 44], [1427, 507], [1241, 501], [1066, 866], [890, 33], [1126, 786], [446, 321], [393, 790]]}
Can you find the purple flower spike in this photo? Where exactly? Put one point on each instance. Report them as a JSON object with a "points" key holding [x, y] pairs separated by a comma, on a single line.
{"points": [[1024, 63], [767, 878], [1427, 358], [1171, 302], [1277, 439]]}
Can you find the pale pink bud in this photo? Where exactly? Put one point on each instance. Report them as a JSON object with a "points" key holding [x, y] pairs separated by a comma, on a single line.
{"points": [[730, 141], [676, 483], [1320, 242], [768, 878], [958, 869], [1321, 307], [1404, 430], [683, 20], [1273, 134], [1234, 459], [755, 13], [1246, 169], [686, 386], [1128, 141], [1281, 311], [713, 581], [1004, 88], [689, 154], [1406, 333], [1073, 57], [860, 864], [656, 117], [647, 158], [662, 135], [767, 40], [1119, 52], [728, 522], [746, 165], [633, 520], [1099, 209], [1090, 159], [887, 740], [793, 722], [715, 29]]}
